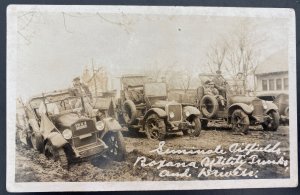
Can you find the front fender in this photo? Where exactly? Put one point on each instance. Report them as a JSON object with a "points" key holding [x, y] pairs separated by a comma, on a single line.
{"points": [[56, 139], [34, 125], [160, 112], [271, 106], [246, 108], [191, 110]]}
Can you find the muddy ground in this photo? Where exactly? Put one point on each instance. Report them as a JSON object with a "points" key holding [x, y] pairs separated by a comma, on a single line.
{"points": [[32, 166]]}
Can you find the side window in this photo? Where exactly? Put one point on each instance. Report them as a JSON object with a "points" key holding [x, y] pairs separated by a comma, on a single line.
{"points": [[286, 83], [271, 84], [278, 84], [264, 85]]}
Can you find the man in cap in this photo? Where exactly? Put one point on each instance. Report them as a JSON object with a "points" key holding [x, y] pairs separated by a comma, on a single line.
{"points": [[80, 88], [209, 88], [215, 92], [220, 83]]}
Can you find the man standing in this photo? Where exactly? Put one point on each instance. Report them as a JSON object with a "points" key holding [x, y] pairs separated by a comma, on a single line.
{"points": [[80, 88], [239, 84]]}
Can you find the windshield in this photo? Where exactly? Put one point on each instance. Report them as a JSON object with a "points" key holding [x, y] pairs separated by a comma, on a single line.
{"points": [[70, 104], [156, 89], [133, 81]]}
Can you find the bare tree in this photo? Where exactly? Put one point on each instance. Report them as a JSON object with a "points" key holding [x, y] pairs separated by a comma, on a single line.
{"points": [[216, 55], [236, 53], [185, 81], [156, 71]]}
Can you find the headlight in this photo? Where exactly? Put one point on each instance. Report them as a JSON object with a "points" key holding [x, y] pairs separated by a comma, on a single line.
{"points": [[171, 114], [67, 134], [100, 125], [264, 103], [187, 113]]}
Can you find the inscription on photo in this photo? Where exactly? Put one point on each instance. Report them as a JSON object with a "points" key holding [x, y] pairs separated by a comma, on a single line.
{"points": [[234, 161]]}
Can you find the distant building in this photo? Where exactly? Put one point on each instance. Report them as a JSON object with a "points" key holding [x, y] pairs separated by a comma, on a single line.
{"points": [[96, 80], [272, 74]]}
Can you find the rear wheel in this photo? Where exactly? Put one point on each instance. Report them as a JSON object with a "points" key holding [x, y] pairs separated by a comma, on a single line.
{"points": [[37, 142], [57, 154], [273, 124], [240, 121], [155, 127], [116, 145]]}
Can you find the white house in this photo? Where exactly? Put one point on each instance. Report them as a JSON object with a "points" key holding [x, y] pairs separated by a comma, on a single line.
{"points": [[272, 74]]}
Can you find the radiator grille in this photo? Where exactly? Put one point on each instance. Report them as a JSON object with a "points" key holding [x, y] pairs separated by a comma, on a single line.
{"points": [[83, 127], [85, 141], [258, 108], [177, 110]]}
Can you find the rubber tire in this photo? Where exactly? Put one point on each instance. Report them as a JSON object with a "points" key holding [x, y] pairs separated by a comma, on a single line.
{"points": [[37, 142], [197, 129], [276, 117], [28, 140], [241, 114], [57, 155], [161, 124], [63, 159], [214, 103], [128, 104], [121, 150]]}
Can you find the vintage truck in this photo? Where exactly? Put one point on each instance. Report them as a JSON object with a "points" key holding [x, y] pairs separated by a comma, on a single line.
{"points": [[240, 111], [144, 106], [67, 128]]}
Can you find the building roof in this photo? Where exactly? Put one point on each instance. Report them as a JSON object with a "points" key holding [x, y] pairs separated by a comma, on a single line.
{"points": [[277, 62]]}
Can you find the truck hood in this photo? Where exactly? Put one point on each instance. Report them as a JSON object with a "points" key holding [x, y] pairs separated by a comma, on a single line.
{"points": [[66, 120], [162, 103], [242, 99]]}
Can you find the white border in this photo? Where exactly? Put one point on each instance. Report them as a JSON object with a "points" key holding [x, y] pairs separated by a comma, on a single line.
{"points": [[12, 186]]}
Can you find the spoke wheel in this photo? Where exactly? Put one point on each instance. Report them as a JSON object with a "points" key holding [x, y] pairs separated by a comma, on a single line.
{"points": [[240, 121], [56, 154], [195, 129], [155, 127], [116, 145]]}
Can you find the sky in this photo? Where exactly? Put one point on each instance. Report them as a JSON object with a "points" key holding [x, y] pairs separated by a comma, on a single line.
{"points": [[55, 47]]}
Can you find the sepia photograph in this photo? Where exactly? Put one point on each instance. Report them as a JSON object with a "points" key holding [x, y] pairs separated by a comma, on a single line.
{"points": [[150, 98]]}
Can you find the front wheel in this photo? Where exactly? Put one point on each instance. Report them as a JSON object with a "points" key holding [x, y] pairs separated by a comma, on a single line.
{"points": [[116, 145], [273, 124], [57, 154], [240, 121], [155, 127], [37, 142], [195, 129]]}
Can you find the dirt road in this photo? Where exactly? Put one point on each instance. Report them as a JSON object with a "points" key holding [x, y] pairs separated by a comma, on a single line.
{"points": [[32, 166]]}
